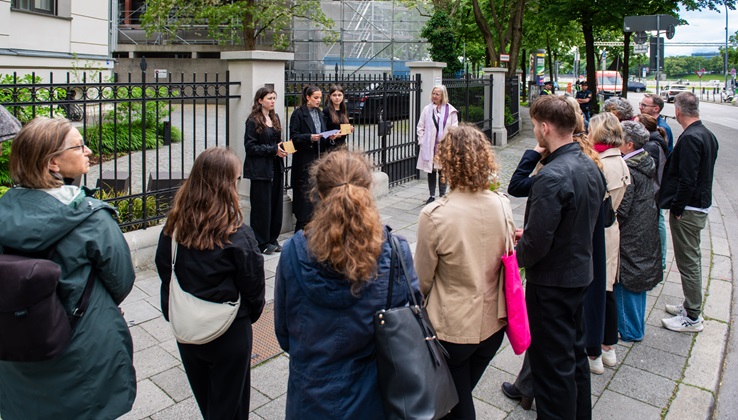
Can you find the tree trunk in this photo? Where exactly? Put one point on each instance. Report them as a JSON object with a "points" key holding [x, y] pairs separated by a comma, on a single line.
{"points": [[524, 63], [249, 32], [486, 34], [516, 39], [549, 58], [590, 54]]}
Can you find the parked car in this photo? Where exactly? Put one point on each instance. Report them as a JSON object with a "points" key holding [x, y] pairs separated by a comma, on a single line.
{"points": [[366, 104], [634, 86], [669, 92]]}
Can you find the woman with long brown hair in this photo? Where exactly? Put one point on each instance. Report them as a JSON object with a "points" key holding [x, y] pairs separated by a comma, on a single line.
{"points": [[331, 279], [217, 260], [335, 114], [264, 166], [461, 238]]}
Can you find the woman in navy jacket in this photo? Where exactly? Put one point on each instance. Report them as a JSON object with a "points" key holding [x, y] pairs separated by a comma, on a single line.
{"points": [[331, 279], [264, 166]]}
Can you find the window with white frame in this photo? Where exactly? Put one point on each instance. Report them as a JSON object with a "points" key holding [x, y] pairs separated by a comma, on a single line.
{"points": [[40, 6]]}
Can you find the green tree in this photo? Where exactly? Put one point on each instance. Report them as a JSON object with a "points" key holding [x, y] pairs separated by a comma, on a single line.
{"points": [[444, 41], [235, 21]]}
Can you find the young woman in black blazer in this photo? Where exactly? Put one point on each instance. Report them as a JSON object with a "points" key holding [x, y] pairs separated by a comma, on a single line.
{"points": [[264, 166], [306, 124], [335, 114]]}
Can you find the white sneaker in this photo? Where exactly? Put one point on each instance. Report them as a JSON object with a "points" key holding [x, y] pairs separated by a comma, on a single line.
{"points": [[609, 358], [682, 323], [595, 366], [675, 310]]}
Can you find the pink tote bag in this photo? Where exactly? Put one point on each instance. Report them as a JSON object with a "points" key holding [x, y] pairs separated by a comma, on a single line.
{"points": [[518, 329]]}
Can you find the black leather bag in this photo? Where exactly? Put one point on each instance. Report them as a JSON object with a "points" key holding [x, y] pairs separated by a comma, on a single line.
{"points": [[414, 379], [610, 215]]}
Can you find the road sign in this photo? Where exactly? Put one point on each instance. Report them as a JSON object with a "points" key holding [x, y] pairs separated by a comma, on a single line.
{"points": [[504, 57], [640, 37], [670, 31], [640, 49], [700, 72]]}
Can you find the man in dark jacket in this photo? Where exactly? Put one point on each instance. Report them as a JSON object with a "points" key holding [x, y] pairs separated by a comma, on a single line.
{"points": [[556, 250], [686, 191]]}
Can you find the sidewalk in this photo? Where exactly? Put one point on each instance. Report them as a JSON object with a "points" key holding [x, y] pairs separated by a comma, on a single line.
{"points": [[668, 375]]}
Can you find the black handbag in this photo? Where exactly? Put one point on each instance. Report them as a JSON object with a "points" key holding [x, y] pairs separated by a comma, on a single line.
{"points": [[414, 379], [610, 215]]}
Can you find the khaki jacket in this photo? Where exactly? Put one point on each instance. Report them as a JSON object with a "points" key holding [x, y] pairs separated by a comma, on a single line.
{"points": [[461, 238], [617, 175]]}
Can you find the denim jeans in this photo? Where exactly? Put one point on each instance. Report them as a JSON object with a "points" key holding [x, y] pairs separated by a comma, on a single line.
{"points": [[631, 313]]}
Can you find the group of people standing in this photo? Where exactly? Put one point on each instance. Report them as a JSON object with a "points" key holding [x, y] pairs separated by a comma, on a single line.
{"points": [[590, 246], [630, 173]]}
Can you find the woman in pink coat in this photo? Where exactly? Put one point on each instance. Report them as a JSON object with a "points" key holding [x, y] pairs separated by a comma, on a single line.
{"points": [[435, 120]]}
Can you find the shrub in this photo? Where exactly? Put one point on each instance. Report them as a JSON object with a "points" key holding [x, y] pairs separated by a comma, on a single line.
{"points": [[131, 209], [476, 113], [29, 95]]}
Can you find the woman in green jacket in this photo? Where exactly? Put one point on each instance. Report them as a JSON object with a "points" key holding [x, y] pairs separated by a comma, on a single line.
{"points": [[94, 377]]}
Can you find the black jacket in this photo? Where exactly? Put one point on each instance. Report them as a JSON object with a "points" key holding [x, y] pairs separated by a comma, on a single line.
{"points": [[301, 129], [330, 125], [261, 152], [217, 275], [638, 217], [560, 217], [658, 149], [689, 171], [521, 181]]}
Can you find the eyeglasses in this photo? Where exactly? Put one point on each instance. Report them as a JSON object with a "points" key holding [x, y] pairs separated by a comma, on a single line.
{"points": [[642, 105], [80, 147]]}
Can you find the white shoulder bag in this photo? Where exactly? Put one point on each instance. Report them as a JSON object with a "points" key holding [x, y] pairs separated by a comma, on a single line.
{"points": [[194, 320]]}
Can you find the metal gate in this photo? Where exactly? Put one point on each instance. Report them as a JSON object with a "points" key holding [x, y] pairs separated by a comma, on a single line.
{"points": [[370, 100]]}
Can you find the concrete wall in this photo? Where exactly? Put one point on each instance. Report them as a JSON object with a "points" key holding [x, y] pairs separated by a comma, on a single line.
{"points": [[178, 67]]}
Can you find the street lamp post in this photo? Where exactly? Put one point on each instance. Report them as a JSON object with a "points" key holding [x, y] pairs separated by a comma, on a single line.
{"points": [[726, 46]]}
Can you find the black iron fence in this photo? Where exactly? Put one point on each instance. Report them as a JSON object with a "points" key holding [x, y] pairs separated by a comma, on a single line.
{"points": [[379, 108], [466, 94], [512, 106], [144, 136]]}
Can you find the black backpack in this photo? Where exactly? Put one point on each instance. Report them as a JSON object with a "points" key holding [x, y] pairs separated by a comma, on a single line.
{"points": [[34, 326]]}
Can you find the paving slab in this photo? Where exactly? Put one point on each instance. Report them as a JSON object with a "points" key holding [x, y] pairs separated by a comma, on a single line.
{"points": [[670, 341], [150, 399], [488, 411], [706, 361], [139, 312], [656, 361], [185, 410], [174, 383], [270, 378], [152, 361], [722, 268], [643, 386], [489, 389], [718, 300], [614, 406], [274, 410], [690, 403]]}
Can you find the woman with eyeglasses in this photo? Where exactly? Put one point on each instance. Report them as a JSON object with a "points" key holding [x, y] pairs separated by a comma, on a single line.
{"points": [[93, 378], [218, 261]]}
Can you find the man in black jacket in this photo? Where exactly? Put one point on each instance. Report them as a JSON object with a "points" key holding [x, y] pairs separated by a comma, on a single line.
{"points": [[686, 191], [556, 250]]}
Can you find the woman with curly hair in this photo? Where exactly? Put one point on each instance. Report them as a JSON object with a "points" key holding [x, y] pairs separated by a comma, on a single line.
{"points": [[331, 279], [461, 238], [217, 260]]}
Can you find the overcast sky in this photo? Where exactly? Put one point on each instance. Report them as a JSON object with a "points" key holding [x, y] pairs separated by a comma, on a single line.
{"points": [[704, 26]]}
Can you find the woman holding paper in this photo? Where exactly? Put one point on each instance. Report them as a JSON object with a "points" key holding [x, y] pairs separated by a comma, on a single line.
{"points": [[264, 166], [435, 120], [306, 125], [336, 117]]}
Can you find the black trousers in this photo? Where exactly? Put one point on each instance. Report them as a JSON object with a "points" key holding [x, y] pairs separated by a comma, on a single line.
{"points": [[611, 320], [219, 372], [561, 380], [467, 363], [432, 183], [267, 201]]}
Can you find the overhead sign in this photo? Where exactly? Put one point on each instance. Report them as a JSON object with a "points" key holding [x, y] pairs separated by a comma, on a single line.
{"points": [[504, 57], [649, 23]]}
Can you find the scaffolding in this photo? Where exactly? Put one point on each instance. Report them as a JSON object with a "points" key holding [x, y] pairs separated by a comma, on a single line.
{"points": [[370, 37]]}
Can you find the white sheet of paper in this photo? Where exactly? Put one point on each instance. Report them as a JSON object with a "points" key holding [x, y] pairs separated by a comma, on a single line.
{"points": [[327, 134]]}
